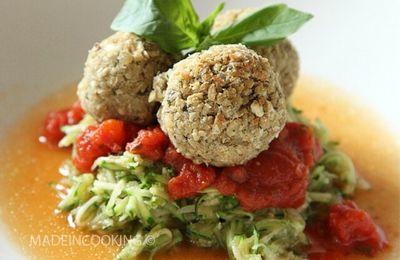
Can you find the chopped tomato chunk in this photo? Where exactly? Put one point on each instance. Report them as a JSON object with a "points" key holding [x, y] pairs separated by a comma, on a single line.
{"points": [[300, 140], [236, 173], [192, 178], [277, 177], [225, 185], [131, 131], [52, 126], [75, 113], [345, 230], [150, 143], [57, 119], [175, 159], [275, 180], [354, 228], [86, 150], [111, 134], [229, 179], [98, 140]]}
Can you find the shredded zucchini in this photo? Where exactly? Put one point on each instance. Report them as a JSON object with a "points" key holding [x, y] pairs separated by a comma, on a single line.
{"points": [[156, 239]]}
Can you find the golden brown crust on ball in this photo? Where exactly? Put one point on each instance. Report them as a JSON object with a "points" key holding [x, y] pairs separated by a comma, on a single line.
{"points": [[282, 56], [118, 78], [222, 106]]}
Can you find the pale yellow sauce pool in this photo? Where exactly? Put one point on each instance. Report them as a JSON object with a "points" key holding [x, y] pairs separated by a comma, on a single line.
{"points": [[26, 168]]}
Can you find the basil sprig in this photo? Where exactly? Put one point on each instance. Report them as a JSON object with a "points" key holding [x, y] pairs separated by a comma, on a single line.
{"points": [[174, 25]]}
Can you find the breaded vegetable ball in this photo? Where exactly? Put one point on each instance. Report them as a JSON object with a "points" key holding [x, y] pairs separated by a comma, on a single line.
{"points": [[285, 62], [159, 86], [118, 78], [222, 106], [282, 56]]}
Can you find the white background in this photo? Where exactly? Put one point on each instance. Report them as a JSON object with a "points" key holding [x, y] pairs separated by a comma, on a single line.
{"points": [[352, 43]]}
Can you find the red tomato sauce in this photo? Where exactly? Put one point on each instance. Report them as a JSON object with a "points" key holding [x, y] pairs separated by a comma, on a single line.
{"points": [[277, 177]]}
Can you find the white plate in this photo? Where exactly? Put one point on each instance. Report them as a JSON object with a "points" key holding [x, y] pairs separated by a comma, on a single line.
{"points": [[352, 43]]}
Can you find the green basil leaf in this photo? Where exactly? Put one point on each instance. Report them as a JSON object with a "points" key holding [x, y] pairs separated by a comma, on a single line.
{"points": [[205, 26], [172, 24], [263, 27]]}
